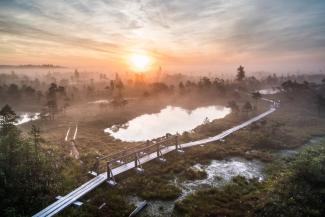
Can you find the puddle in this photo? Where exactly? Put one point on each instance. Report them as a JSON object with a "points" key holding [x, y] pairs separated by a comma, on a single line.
{"points": [[154, 207], [269, 91]]}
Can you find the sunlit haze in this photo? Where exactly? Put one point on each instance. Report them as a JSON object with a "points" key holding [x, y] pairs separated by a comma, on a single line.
{"points": [[140, 62], [182, 36], [173, 108]]}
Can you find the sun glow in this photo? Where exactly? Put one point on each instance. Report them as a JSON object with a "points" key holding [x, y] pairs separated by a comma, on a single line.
{"points": [[140, 62]]}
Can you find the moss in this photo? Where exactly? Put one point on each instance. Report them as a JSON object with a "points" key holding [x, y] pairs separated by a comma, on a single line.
{"points": [[294, 187], [115, 204], [151, 188], [195, 173], [235, 199], [299, 186]]}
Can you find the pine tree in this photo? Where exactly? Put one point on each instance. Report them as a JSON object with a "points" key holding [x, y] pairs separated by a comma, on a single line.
{"points": [[28, 176], [52, 100], [35, 134], [240, 73], [7, 119]]}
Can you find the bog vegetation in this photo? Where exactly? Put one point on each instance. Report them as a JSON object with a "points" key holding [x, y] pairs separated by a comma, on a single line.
{"points": [[35, 164]]}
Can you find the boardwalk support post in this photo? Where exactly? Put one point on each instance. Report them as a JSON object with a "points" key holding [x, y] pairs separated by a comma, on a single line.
{"points": [[110, 177], [178, 148], [160, 155], [138, 166]]}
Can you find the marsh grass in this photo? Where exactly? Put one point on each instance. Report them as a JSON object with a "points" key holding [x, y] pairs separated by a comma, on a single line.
{"points": [[290, 126]]}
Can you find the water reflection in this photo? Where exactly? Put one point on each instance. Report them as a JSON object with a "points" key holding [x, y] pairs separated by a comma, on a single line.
{"points": [[169, 120], [269, 91], [100, 101], [26, 117]]}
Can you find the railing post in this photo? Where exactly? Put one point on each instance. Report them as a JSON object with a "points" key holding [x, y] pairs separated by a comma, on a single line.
{"points": [[159, 154], [137, 163], [110, 177], [158, 150], [178, 148], [136, 160]]}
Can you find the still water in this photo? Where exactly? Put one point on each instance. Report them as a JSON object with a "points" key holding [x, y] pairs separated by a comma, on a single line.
{"points": [[169, 120], [26, 117], [269, 91], [100, 101]]}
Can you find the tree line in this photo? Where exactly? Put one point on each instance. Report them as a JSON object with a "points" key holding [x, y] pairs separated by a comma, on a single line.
{"points": [[29, 176]]}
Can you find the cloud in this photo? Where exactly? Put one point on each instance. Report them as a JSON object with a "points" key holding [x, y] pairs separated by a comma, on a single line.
{"points": [[206, 30], [280, 27]]}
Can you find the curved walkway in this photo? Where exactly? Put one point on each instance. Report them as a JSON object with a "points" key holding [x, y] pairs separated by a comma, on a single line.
{"points": [[73, 196]]}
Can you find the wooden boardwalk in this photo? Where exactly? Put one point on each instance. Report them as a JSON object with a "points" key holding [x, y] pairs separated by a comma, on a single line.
{"points": [[73, 196]]}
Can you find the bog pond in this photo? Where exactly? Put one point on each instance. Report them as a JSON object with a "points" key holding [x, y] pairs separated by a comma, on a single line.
{"points": [[219, 172], [169, 120]]}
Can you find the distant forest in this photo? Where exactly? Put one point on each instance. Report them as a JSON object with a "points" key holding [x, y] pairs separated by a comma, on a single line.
{"points": [[32, 66]]}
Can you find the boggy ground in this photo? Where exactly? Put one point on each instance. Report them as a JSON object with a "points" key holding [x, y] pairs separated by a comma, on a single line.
{"points": [[294, 123], [92, 119]]}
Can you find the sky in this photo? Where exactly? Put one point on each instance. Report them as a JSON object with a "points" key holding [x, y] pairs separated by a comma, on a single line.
{"points": [[188, 36]]}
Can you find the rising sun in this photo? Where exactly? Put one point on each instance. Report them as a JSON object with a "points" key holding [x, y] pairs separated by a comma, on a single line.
{"points": [[140, 62]]}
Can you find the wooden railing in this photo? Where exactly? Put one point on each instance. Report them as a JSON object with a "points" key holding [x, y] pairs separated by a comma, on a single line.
{"points": [[133, 154]]}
